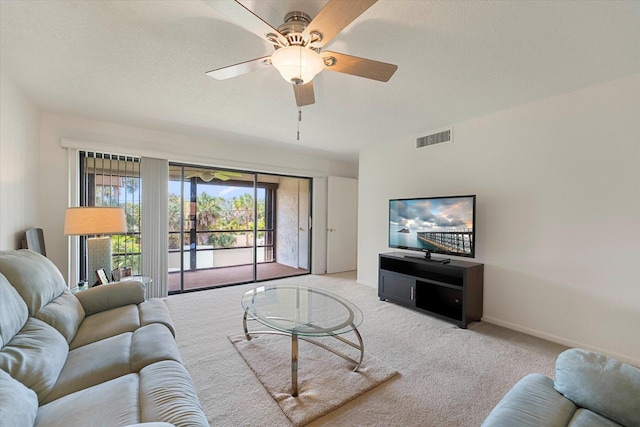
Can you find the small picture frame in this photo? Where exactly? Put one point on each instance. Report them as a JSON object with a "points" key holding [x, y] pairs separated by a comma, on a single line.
{"points": [[116, 274], [102, 276], [125, 272]]}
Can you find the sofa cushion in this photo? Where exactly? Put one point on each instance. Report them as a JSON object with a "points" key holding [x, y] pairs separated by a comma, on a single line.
{"points": [[64, 313], [161, 391], [167, 393], [13, 311], [119, 320], [586, 418], [18, 404], [93, 364], [532, 402], [106, 324], [116, 400], [601, 384], [36, 278], [35, 356], [112, 357]]}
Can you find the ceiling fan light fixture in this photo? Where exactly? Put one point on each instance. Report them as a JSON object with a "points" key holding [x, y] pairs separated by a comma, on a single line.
{"points": [[207, 176], [297, 65]]}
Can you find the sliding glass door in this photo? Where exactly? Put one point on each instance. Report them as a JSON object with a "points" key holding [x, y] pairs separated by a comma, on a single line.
{"points": [[230, 227]]}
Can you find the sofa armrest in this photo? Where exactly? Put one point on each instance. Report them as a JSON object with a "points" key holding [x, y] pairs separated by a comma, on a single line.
{"points": [[532, 402], [601, 384], [112, 295]]}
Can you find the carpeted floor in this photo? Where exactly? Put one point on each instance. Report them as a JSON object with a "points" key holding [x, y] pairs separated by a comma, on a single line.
{"points": [[447, 376]]}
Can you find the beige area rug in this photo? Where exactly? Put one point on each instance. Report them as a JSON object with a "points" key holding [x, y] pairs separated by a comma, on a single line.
{"points": [[325, 381]]}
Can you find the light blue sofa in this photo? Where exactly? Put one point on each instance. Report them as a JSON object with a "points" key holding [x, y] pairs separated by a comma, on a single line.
{"points": [[590, 389], [103, 357]]}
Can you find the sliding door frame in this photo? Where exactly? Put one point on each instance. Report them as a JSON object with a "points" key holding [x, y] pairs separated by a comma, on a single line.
{"points": [[270, 226]]}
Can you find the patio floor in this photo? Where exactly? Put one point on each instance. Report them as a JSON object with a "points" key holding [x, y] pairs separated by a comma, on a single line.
{"points": [[211, 277]]}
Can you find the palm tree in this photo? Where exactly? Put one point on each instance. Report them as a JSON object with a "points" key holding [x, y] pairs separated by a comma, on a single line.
{"points": [[175, 220], [208, 213], [243, 209]]}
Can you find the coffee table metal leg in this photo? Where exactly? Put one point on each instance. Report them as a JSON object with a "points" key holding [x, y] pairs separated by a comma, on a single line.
{"points": [[294, 365], [361, 348], [244, 325], [294, 349]]}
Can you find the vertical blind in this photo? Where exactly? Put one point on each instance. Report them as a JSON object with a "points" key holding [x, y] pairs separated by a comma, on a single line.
{"points": [[155, 224], [114, 180]]}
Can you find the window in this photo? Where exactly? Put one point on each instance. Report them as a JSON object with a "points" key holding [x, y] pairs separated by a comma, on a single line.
{"points": [[113, 180]]}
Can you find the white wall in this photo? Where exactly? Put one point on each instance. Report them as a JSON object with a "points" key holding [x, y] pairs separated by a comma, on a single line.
{"points": [[19, 164], [287, 223], [123, 139], [558, 219]]}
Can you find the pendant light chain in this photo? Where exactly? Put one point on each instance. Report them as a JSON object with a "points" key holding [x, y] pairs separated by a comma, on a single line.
{"points": [[297, 98]]}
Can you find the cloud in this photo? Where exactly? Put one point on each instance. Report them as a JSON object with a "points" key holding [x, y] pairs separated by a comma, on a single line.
{"points": [[433, 214]]}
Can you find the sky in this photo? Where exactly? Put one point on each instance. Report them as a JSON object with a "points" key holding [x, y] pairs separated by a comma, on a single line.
{"points": [[227, 192]]}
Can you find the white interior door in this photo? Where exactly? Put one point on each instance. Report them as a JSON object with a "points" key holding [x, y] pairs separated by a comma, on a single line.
{"points": [[303, 224], [342, 224]]}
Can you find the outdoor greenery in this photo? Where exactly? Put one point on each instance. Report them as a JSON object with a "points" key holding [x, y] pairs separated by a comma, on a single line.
{"points": [[125, 248], [223, 221], [126, 244], [220, 222]]}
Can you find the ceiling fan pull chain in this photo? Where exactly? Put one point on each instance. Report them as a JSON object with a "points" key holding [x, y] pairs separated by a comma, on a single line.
{"points": [[299, 120]]}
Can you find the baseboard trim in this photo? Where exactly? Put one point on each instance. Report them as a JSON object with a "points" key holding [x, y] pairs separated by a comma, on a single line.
{"points": [[370, 285], [560, 340]]}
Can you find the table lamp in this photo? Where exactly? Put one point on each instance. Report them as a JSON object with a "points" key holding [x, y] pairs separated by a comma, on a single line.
{"points": [[96, 221]]}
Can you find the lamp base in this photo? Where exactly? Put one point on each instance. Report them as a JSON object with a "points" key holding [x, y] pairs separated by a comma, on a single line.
{"points": [[99, 254]]}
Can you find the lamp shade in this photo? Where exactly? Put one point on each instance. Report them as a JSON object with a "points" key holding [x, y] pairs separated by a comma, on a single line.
{"points": [[297, 65], [86, 220]]}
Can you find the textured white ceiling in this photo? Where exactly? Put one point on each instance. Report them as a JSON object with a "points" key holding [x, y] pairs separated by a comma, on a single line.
{"points": [[144, 62]]}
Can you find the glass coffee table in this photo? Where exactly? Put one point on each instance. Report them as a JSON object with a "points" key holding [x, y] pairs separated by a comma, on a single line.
{"points": [[304, 313]]}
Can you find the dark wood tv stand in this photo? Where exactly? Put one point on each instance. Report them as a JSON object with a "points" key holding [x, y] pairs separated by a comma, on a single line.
{"points": [[450, 291]]}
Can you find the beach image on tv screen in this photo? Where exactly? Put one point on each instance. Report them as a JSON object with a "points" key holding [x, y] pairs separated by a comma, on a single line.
{"points": [[442, 225]]}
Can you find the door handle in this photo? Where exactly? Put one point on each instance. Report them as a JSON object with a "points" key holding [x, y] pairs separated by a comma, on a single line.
{"points": [[300, 229], [331, 229]]}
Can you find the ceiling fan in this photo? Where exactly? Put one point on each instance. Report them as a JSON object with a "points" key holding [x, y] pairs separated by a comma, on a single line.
{"points": [[299, 42], [209, 175]]}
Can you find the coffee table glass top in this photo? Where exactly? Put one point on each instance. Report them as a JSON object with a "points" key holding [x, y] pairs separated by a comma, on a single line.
{"points": [[301, 310]]}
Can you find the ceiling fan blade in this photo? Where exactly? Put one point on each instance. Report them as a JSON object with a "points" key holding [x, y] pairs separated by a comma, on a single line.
{"points": [[246, 19], [241, 68], [357, 66], [304, 94], [334, 17], [221, 177], [226, 176]]}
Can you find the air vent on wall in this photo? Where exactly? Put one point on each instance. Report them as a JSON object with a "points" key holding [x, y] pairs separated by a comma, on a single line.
{"points": [[434, 138]]}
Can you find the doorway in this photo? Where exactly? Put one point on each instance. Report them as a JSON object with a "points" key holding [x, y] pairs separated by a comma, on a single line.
{"points": [[342, 224], [230, 227]]}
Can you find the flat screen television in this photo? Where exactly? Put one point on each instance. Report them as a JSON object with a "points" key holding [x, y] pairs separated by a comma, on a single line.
{"points": [[439, 225]]}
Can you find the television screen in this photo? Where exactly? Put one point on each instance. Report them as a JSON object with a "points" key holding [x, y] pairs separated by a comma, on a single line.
{"points": [[441, 225]]}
